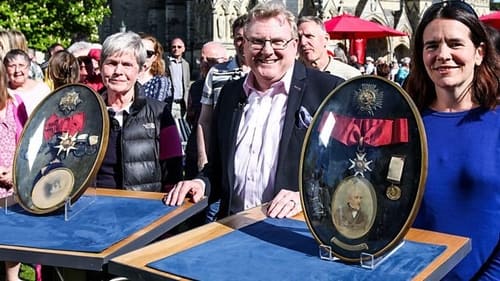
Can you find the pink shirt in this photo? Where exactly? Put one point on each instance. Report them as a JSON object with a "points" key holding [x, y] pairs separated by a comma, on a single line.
{"points": [[8, 136], [10, 130], [32, 97], [257, 143]]}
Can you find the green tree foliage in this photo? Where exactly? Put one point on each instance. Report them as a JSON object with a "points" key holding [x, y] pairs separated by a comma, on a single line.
{"points": [[45, 22]]}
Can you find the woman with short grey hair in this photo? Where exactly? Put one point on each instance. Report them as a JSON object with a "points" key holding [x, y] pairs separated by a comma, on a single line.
{"points": [[144, 150]]}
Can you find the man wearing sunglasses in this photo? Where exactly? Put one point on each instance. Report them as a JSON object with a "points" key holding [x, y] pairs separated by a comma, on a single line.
{"points": [[180, 75], [257, 134]]}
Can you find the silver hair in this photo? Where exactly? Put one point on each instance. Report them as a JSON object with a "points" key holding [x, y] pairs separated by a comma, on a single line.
{"points": [[123, 42], [79, 46], [314, 19], [270, 10]]}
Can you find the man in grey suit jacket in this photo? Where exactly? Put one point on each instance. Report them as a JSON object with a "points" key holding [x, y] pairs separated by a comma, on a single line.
{"points": [[180, 77], [260, 122]]}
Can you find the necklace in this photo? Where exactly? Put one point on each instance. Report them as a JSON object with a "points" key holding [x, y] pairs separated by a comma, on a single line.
{"points": [[326, 66]]}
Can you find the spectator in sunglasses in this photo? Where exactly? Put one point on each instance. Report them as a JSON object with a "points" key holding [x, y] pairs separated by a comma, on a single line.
{"points": [[89, 56], [153, 79], [180, 76]]}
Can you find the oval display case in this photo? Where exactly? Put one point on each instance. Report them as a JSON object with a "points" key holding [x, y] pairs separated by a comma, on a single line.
{"points": [[61, 149], [363, 168]]}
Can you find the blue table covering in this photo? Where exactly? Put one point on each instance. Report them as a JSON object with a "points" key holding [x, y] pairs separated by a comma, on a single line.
{"points": [[284, 249], [102, 222]]}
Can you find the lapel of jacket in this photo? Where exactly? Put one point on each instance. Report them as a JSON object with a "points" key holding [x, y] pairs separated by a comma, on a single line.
{"points": [[238, 103], [185, 76], [295, 95], [170, 70]]}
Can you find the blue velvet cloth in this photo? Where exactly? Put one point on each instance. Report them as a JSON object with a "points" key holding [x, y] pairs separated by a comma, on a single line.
{"points": [[284, 249], [104, 221]]}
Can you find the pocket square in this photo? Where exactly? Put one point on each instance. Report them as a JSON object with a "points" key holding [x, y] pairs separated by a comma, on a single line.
{"points": [[303, 118]]}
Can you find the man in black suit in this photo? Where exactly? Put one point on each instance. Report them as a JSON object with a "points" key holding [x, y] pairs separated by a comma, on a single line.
{"points": [[260, 122]]}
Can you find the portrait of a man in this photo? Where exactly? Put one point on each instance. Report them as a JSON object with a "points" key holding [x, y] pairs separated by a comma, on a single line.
{"points": [[53, 188], [353, 208]]}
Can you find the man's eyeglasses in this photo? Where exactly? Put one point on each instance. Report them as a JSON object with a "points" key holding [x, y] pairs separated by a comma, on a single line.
{"points": [[276, 44], [176, 47], [149, 53], [457, 4]]}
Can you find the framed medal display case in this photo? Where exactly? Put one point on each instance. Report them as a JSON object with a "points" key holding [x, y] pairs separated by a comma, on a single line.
{"points": [[363, 168], [61, 148]]}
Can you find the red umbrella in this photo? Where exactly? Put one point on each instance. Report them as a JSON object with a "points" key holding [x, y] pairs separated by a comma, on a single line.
{"points": [[492, 19], [351, 27]]}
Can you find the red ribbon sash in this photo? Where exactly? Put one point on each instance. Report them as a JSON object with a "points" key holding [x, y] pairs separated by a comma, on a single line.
{"points": [[375, 132], [72, 125]]}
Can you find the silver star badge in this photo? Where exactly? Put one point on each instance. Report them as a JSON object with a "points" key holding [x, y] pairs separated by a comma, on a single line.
{"points": [[67, 143], [360, 164]]}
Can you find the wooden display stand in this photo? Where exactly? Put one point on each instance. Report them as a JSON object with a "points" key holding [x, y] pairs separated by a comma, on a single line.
{"points": [[96, 261], [134, 264]]}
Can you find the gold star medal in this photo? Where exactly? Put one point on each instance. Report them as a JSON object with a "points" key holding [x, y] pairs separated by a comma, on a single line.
{"points": [[368, 99]]}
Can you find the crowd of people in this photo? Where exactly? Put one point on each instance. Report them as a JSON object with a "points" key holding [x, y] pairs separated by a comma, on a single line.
{"points": [[246, 133]]}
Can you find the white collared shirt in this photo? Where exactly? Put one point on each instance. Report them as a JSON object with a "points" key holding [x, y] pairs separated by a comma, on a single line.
{"points": [[119, 114], [257, 144], [176, 76]]}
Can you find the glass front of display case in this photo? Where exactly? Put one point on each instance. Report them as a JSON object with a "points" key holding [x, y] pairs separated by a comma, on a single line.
{"points": [[61, 148], [363, 168]]}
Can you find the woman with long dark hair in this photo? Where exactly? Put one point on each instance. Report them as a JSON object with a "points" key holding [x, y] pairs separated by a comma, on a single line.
{"points": [[454, 81]]}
